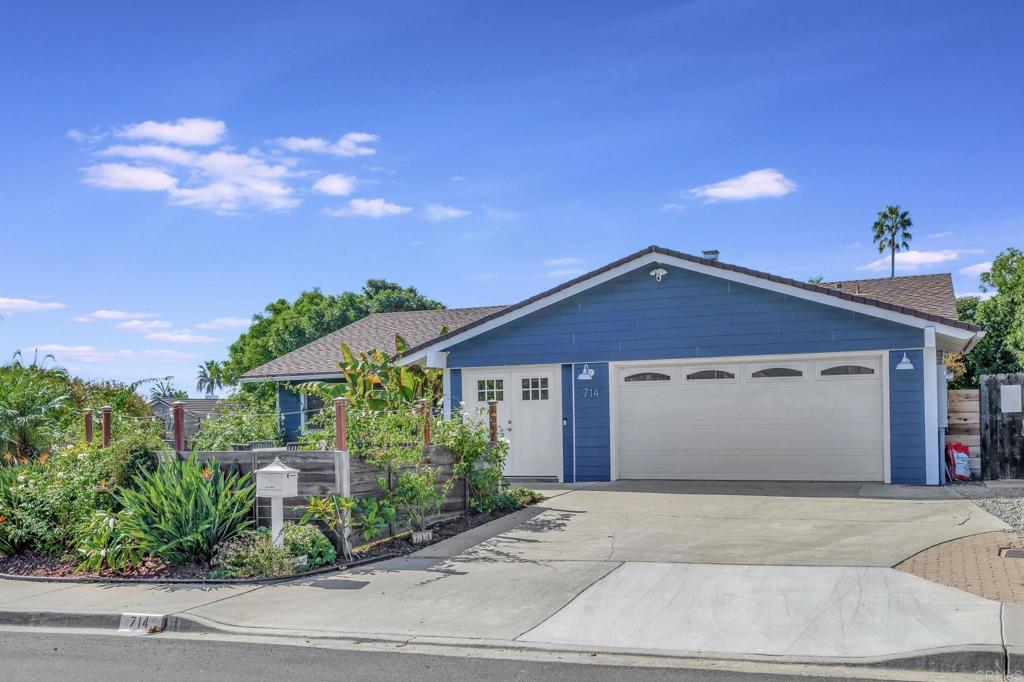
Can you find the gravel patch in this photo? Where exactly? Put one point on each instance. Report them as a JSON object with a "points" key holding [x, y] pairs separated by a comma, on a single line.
{"points": [[1007, 504]]}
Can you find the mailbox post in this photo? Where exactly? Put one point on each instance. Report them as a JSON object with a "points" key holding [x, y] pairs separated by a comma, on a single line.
{"points": [[277, 481]]}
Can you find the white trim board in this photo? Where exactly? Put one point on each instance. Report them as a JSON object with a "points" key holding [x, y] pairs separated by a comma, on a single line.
{"points": [[961, 337], [290, 377]]}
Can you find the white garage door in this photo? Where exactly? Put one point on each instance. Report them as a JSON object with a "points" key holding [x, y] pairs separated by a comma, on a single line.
{"points": [[800, 419]]}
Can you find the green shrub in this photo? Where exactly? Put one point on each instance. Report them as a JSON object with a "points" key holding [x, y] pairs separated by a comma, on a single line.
{"points": [[480, 461], [132, 452], [9, 542], [309, 541], [515, 498], [181, 511], [416, 495], [243, 420], [104, 544], [252, 554], [50, 497]]}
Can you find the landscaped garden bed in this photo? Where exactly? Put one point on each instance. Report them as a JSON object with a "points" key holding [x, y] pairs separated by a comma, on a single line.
{"points": [[127, 508]]}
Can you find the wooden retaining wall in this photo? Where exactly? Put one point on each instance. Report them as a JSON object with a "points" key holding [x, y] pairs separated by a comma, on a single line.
{"points": [[320, 474]]}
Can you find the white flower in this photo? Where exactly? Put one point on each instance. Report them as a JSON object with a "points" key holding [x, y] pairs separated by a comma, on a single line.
{"points": [[504, 440], [21, 478]]}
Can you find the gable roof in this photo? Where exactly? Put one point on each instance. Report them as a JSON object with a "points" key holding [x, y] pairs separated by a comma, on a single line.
{"points": [[320, 358], [905, 293], [926, 293]]}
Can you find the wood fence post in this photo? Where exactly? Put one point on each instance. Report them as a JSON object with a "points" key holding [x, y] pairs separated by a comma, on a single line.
{"points": [[179, 426], [88, 426], [492, 415], [989, 455], [105, 424]]}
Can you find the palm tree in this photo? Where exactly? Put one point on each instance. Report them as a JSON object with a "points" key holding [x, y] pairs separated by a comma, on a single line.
{"points": [[165, 389], [28, 394], [210, 378], [892, 232]]}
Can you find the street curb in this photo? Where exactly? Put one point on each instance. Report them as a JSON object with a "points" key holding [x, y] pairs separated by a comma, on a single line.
{"points": [[970, 659]]}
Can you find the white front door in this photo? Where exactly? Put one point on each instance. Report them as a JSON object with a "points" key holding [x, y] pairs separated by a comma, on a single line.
{"points": [[529, 414]]}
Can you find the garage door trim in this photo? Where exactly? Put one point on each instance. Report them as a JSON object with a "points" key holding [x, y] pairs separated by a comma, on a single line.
{"points": [[811, 359]]}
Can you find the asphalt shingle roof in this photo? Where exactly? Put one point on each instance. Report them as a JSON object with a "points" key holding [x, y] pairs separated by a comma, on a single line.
{"points": [[927, 293], [376, 331]]}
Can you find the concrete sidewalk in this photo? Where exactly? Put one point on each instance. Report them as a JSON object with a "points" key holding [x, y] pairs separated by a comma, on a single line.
{"points": [[868, 616]]}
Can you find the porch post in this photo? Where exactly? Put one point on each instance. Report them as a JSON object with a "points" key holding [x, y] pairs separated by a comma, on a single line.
{"points": [[105, 424], [179, 426], [88, 426]]}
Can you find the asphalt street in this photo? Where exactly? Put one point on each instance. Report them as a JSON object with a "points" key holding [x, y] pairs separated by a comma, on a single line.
{"points": [[31, 656]]}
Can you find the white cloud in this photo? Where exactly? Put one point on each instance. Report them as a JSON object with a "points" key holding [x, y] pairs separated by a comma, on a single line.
{"points": [[369, 208], [456, 178], [438, 212], [26, 305], [222, 181], [672, 206], [154, 152], [115, 315], [84, 138], [562, 262], [142, 325], [983, 295], [914, 260], [338, 185], [90, 354], [225, 323], [766, 182], [976, 269], [939, 235], [123, 176], [182, 336], [349, 144], [185, 131], [564, 273]]}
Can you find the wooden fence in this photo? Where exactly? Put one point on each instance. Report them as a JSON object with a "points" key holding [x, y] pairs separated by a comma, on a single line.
{"points": [[321, 473], [1002, 426], [964, 424]]}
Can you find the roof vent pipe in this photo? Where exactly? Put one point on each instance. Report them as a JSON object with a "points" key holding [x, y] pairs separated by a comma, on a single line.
{"points": [[711, 254]]}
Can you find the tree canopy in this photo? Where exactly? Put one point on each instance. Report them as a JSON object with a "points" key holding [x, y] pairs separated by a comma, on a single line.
{"points": [[1002, 315], [284, 326]]}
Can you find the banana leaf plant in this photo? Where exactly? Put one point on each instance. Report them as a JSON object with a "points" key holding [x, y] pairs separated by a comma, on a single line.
{"points": [[373, 381]]}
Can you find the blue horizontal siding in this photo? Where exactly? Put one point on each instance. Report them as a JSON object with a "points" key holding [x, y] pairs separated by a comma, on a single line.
{"points": [[289, 403], [456, 390], [592, 425], [567, 425], [906, 419], [686, 315]]}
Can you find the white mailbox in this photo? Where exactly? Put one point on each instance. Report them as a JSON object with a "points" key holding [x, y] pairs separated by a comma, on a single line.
{"points": [[277, 479]]}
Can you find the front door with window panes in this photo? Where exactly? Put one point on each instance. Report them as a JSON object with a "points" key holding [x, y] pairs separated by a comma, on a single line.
{"points": [[529, 414]]}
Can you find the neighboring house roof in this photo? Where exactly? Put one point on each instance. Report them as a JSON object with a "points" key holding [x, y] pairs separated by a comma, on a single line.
{"points": [[926, 293], [901, 304], [377, 331], [195, 407]]}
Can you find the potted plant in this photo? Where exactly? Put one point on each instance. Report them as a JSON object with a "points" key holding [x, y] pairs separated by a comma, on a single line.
{"points": [[416, 496]]}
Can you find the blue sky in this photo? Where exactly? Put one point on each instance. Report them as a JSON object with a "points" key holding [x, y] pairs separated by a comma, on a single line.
{"points": [[178, 169]]}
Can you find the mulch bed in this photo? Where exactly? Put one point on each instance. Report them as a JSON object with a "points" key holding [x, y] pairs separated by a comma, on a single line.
{"points": [[403, 544], [41, 565]]}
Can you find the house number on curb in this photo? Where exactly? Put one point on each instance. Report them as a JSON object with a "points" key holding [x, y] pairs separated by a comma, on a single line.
{"points": [[591, 393], [142, 622]]}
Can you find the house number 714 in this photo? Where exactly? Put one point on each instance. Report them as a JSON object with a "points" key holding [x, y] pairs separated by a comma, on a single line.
{"points": [[591, 393]]}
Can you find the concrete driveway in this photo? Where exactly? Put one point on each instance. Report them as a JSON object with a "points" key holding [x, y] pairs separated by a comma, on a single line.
{"points": [[778, 524], [799, 571]]}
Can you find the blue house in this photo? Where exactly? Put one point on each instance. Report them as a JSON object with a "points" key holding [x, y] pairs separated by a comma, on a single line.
{"points": [[668, 365]]}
